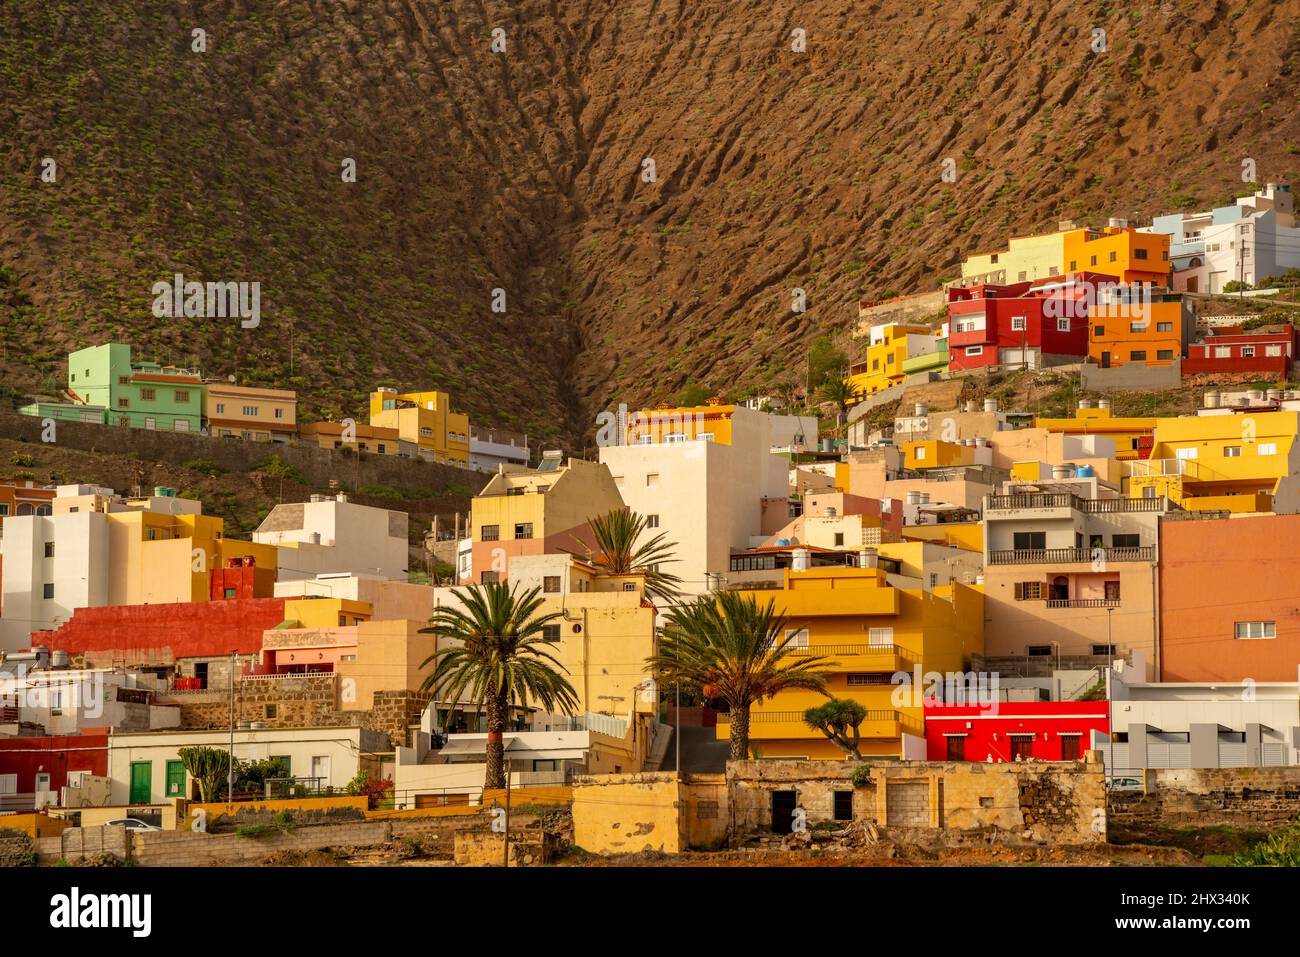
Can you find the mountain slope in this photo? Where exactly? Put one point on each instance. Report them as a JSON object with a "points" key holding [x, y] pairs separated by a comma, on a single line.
{"points": [[524, 171]]}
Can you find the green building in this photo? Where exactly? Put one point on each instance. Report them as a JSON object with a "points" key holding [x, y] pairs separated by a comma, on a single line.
{"points": [[141, 395]]}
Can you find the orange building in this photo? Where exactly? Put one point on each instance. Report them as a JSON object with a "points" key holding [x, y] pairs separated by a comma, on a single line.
{"points": [[24, 498], [1154, 333], [1119, 251], [1228, 608]]}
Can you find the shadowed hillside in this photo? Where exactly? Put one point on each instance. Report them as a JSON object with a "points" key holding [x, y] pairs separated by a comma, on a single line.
{"points": [[525, 171]]}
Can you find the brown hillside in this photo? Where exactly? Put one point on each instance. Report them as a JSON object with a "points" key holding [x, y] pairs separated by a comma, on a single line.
{"points": [[522, 171]]}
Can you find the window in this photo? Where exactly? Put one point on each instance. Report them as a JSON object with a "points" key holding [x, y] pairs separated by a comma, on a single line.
{"points": [[1063, 324], [490, 533], [229, 593], [1074, 265], [1272, 350], [1100, 650], [652, 521], [124, 403], [1251, 629], [382, 448], [1266, 448], [652, 480], [1248, 352], [704, 437], [49, 549], [1137, 327], [121, 380], [1023, 276], [269, 711], [839, 539], [489, 578], [920, 453], [1164, 327], [843, 805], [881, 637], [1022, 541], [1222, 352], [279, 413], [221, 408], [181, 396], [1165, 354], [524, 530], [644, 439], [1092, 260], [974, 350], [551, 633], [1099, 331], [1138, 355], [1139, 254], [551, 583], [956, 747], [1114, 256], [250, 410], [796, 637], [1185, 454], [866, 678], [1017, 323], [1125, 541], [123, 420], [1029, 591], [993, 258], [629, 586], [1111, 590], [1069, 747], [1038, 651], [1022, 747], [148, 395], [1232, 451], [48, 590]]}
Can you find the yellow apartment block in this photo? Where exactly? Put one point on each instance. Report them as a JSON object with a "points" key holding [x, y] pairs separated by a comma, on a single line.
{"points": [[1128, 433], [936, 454], [1247, 462], [711, 422], [160, 559], [252, 414], [870, 632], [888, 348], [425, 419]]}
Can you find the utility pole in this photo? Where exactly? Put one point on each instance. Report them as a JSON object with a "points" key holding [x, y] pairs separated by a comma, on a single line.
{"points": [[230, 772], [1110, 730], [507, 833]]}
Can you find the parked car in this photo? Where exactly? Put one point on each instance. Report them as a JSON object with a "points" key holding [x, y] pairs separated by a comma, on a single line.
{"points": [[1124, 784], [133, 824]]}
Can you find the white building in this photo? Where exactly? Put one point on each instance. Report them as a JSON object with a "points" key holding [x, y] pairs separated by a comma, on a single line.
{"points": [[1250, 241], [331, 534], [490, 448], [67, 701], [705, 497], [144, 768]]}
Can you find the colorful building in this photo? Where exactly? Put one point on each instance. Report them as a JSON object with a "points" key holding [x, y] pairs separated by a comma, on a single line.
{"points": [[1228, 610], [1130, 327], [141, 395], [1269, 351], [24, 498], [871, 632], [538, 511], [252, 414], [1013, 730], [426, 420], [329, 534], [1024, 325], [1245, 461], [1133, 435], [356, 436], [1117, 250], [889, 348], [37, 769]]}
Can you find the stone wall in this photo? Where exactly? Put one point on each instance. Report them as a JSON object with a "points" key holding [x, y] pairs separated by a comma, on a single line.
{"points": [[1207, 796], [487, 849], [957, 802], [318, 466], [1093, 378], [300, 702], [16, 848]]}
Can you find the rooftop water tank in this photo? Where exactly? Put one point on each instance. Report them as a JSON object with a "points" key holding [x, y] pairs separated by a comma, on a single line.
{"points": [[1085, 471]]}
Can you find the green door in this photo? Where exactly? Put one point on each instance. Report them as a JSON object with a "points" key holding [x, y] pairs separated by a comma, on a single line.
{"points": [[141, 782], [175, 779]]}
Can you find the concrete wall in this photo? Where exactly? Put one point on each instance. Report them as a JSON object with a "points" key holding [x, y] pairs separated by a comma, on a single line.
{"points": [[628, 813], [1094, 378], [1206, 797]]}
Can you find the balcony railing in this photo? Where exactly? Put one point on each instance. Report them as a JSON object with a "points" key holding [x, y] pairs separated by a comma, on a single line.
{"points": [[1083, 603], [1029, 500], [873, 651], [796, 717], [1040, 556]]}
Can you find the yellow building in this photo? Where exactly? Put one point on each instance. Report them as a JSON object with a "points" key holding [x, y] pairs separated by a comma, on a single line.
{"points": [[1243, 462], [358, 437], [424, 419], [937, 454], [1118, 250], [888, 348], [255, 415], [1131, 434], [871, 632], [666, 424]]}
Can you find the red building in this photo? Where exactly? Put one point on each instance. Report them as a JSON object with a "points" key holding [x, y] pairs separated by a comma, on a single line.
{"points": [[241, 578], [1021, 325], [44, 763], [1269, 349], [156, 635], [1046, 730]]}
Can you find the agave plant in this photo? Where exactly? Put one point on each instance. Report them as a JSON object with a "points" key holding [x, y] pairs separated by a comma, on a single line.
{"points": [[498, 658], [616, 534], [728, 646]]}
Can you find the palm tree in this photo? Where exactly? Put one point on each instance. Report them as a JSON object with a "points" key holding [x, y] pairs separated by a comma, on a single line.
{"points": [[499, 658], [837, 389], [838, 719], [727, 646], [616, 533]]}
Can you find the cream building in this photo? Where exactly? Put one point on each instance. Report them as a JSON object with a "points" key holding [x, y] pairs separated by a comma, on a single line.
{"points": [[331, 534]]}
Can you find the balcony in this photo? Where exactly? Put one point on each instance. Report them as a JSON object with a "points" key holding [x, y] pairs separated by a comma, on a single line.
{"points": [[1083, 603], [1024, 501], [862, 657], [1065, 556], [777, 725]]}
